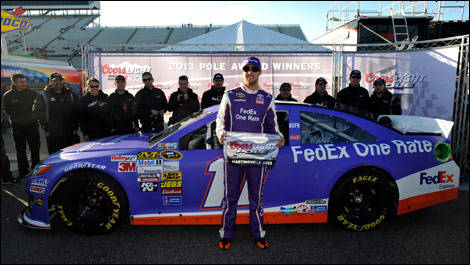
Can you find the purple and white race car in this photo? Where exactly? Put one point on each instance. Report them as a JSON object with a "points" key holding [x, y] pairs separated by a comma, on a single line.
{"points": [[335, 166]]}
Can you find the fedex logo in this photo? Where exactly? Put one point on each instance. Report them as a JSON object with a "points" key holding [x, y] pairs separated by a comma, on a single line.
{"points": [[441, 178]]}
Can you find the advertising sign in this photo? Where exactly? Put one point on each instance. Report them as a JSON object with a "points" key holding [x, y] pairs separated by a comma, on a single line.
{"points": [[11, 22], [251, 149], [425, 79], [301, 70]]}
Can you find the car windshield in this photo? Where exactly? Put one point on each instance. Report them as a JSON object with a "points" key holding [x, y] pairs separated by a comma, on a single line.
{"points": [[179, 125]]}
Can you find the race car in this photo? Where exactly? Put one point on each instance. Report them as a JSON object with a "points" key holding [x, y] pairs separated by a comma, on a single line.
{"points": [[335, 167]]}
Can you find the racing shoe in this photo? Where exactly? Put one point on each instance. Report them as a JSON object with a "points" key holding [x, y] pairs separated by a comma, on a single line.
{"points": [[224, 243], [262, 243]]}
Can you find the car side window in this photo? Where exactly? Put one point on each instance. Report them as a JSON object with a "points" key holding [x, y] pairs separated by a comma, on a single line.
{"points": [[204, 137], [283, 122], [319, 128]]}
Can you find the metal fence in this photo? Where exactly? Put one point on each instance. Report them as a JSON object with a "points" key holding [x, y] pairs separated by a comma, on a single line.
{"points": [[461, 130]]}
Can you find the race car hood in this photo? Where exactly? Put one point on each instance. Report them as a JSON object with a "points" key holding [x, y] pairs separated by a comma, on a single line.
{"points": [[418, 125], [113, 144]]}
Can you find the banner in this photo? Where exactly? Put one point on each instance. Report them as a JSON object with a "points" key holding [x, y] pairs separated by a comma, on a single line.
{"points": [[425, 80], [251, 149], [301, 70], [11, 22]]}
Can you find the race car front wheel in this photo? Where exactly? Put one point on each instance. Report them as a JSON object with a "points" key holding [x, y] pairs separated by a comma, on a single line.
{"points": [[90, 202], [362, 201]]}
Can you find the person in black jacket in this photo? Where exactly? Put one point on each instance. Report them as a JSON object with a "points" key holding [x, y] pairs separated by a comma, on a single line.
{"points": [[183, 102], [56, 108], [119, 109], [93, 121], [320, 96], [149, 105], [18, 103], [214, 95], [382, 102], [284, 93], [354, 98]]}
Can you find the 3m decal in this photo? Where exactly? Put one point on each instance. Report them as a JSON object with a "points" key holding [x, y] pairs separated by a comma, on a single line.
{"points": [[147, 155], [127, 167], [171, 155], [148, 187]]}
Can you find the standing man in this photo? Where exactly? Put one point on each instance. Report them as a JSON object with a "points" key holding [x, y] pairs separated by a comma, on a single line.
{"points": [[7, 177], [260, 105], [214, 95], [320, 96], [119, 109], [284, 93], [354, 95], [18, 103], [56, 108], [382, 102], [149, 105], [183, 102], [93, 121]]}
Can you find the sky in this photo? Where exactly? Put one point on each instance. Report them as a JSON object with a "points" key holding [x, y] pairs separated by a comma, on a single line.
{"points": [[310, 15]]}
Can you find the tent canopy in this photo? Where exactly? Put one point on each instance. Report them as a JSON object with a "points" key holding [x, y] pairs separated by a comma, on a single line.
{"points": [[244, 36]]}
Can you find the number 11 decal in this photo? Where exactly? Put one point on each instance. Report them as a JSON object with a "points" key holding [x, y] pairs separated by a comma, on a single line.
{"points": [[215, 190]]}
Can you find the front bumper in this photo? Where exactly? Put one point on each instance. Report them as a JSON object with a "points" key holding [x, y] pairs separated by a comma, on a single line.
{"points": [[27, 222]]}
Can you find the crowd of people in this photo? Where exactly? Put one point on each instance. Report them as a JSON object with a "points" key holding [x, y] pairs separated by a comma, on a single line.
{"points": [[60, 112]]}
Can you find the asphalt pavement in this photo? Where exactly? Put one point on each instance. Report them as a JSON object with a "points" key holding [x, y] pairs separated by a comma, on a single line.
{"points": [[438, 234]]}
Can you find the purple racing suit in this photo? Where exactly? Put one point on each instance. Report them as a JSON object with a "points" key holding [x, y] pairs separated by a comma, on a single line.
{"points": [[242, 110]]}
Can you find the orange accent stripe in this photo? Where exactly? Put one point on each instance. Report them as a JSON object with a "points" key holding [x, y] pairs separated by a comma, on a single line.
{"points": [[243, 218], [426, 200]]}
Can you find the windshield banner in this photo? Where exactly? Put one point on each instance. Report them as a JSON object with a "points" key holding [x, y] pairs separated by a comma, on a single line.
{"points": [[251, 149]]}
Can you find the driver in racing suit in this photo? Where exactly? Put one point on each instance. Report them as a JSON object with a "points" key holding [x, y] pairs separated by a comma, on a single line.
{"points": [[245, 109]]}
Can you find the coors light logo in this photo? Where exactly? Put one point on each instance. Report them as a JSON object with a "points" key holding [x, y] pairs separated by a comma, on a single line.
{"points": [[397, 80], [124, 68], [250, 148]]}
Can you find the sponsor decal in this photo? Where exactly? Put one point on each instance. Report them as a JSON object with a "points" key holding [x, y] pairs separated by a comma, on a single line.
{"points": [[124, 158], [84, 165], [287, 210], [240, 95], [251, 148], [171, 155], [148, 187], [171, 166], [150, 169], [319, 209], [172, 176], [11, 22], [315, 202], [302, 209], [172, 191], [127, 167], [167, 146], [444, 180], [148, 162], [259, 99], [171, 184], [294, 125], [147, 155], [398, 80], [172, 200], [148, 178], [247, 115], [294, 137], [42, 182], [35, 189], [39, 202], [332, 151]]}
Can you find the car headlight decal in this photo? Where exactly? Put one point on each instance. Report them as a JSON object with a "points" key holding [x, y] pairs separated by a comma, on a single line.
{"points": [[40, 170], [442, 151]]}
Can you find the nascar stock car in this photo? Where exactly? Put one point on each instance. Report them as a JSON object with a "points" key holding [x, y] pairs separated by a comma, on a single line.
{"points": [[335, 166]]}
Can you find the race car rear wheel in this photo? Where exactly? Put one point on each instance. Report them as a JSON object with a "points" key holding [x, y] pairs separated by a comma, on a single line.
{"points": [[362, 201], [90, 202]]}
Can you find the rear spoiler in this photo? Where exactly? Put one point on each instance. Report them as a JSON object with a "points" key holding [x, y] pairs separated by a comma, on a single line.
{"points": [[417, 124]]}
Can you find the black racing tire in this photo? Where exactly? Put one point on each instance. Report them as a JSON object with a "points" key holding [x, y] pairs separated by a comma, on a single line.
{"points": [[362, 201], [91, 203]]}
